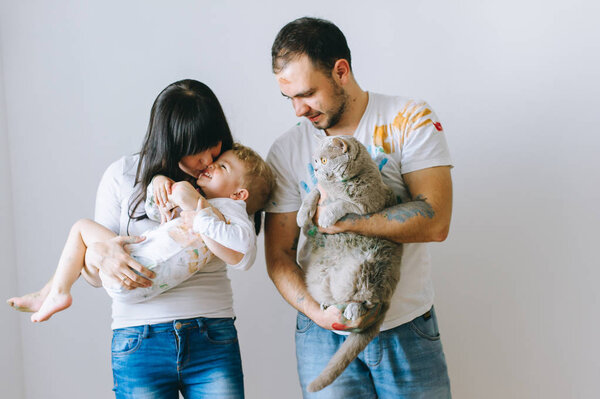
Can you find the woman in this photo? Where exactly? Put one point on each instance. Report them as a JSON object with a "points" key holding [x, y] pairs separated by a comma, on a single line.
{"points": [[183, 340]]}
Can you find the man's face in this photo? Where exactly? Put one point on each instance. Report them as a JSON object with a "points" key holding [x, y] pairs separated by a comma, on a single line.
{"points": [[223, 177], [314, 94]]}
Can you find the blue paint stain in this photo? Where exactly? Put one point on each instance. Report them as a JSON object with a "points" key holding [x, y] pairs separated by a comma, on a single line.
{"points": [[304, 186], [311, 172], [382, 163]]}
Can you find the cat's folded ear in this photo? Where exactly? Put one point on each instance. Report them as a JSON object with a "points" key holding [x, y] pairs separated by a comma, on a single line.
{"points": [[340, 143]]}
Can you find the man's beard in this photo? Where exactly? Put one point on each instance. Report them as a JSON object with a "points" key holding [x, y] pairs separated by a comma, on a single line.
{"points": [[334, 116]]}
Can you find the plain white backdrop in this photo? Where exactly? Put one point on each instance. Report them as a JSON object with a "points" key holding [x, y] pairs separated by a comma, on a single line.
{"points": [[515, 83]]}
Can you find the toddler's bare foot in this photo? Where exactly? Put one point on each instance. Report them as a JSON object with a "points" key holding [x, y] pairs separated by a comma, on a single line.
{"points": [[55, 302], [30, 302]]}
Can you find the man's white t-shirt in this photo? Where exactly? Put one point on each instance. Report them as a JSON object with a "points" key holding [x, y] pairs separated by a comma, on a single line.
{"points": [[402, 136]]}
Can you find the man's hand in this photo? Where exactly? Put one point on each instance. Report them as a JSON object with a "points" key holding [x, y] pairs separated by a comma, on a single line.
{"points": [[115, 262], [332, 318]]}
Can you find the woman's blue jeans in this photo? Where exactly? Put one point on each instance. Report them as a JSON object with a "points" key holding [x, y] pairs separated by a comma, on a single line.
{"points": [[406, 362], [199, 357]]}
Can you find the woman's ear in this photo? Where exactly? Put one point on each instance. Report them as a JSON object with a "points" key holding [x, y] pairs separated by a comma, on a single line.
{"points": [[241, 194]]}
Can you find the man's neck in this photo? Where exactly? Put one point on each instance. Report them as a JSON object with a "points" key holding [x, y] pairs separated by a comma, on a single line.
{"points": [[355, 108]]}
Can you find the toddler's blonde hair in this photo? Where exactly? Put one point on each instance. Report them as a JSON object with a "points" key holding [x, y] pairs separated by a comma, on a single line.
{"points": [[259, 179]]}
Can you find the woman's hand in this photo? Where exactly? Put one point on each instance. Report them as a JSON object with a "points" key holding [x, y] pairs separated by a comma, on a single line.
{"points": [[162, 189], [184, 195], [115, 262]]}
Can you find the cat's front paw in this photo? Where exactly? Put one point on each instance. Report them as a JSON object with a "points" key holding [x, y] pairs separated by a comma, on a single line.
{"points": [[328, 216], [304, 216], [307, 210]]}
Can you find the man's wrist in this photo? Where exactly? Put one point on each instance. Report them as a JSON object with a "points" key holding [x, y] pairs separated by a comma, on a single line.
{"points": [[314, 312], [351, 221]]}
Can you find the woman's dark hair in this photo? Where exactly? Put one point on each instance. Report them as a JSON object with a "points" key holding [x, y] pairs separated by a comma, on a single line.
{"points": [[322, 41], [186, 119]]}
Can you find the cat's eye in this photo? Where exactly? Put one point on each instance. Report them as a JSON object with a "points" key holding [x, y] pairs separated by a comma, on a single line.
{"points": [[323, 160]]}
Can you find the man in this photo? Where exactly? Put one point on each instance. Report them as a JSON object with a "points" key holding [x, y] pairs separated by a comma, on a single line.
{"points": [[312, 65]]}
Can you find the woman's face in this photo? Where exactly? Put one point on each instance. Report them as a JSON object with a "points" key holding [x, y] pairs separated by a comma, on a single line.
{"points": [[193, 165]]}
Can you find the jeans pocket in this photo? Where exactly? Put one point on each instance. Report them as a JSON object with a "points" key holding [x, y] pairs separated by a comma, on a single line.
{"points": [[303, 323], [426, 326], [125, 343], [221, 331]]}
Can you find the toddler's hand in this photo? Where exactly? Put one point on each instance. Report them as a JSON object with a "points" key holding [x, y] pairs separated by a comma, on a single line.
{"points": [[162, 189], [167, 212]]}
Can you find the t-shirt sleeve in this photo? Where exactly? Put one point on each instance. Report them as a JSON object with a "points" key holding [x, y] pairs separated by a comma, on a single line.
{"points": [[236, 232], [286, 196], [424, 141], [108, 197]]}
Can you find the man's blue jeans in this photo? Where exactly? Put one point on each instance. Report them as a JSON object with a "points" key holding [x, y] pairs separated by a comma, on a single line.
{"points": [[406, 362], [199, 357]]}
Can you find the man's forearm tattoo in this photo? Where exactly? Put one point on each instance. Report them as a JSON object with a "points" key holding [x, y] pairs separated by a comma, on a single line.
{"points": [[401, 212]]}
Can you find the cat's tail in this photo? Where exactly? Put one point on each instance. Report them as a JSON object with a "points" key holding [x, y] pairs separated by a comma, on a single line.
{"points": [[350, 349]]}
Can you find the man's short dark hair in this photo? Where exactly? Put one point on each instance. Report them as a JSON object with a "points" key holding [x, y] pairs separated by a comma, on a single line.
{"points": [[322, 41]]}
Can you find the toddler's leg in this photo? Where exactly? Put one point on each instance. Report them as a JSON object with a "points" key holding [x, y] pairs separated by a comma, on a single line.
{"points": [[70, 264]]}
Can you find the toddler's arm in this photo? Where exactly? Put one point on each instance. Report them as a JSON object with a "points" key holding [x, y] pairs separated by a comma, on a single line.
{"points": [[223, 252], [234, 232], [232, 239]]}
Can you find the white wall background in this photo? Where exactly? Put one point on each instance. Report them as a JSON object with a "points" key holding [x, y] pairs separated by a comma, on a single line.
{"points": [[515, 83]]}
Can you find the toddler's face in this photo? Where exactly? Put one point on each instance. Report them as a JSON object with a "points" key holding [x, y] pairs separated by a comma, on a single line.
{"points": [[193, 165], [223, 177]]}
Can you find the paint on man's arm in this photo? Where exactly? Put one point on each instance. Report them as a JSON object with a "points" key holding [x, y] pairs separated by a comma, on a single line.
{"points": [[403, 212]]}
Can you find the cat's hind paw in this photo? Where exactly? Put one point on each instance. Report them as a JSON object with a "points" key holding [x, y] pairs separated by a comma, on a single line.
{"points": [[354, 310]]}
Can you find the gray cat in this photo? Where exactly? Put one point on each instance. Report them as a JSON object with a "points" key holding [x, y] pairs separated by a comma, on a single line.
{"points": [[348, 269]]}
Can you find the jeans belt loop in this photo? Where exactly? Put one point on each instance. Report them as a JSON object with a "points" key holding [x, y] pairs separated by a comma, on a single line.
{"points": [[146, 331], [427, 315], [200, 322]]}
